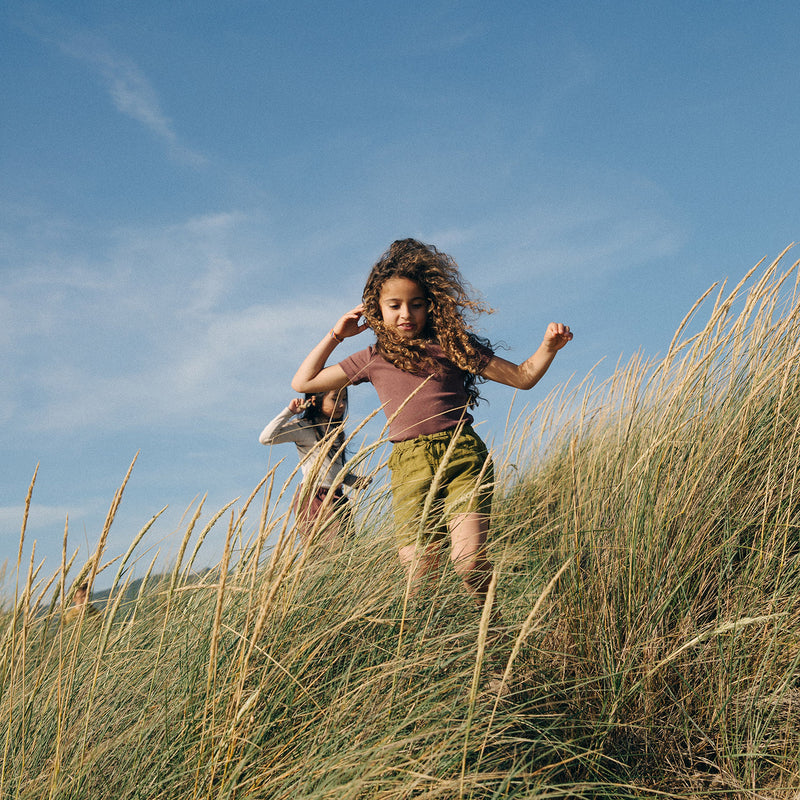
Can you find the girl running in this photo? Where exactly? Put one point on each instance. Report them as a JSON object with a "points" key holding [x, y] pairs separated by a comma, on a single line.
{"points": [[321, 417], [425, 366]]}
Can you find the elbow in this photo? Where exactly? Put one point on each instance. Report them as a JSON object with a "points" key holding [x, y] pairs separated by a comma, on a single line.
{"points": [[528, 378], [298, 385], [525, 381]]}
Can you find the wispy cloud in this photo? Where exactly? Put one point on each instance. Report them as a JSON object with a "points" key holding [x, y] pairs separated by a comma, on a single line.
{"points": [[198, 371], [587, 240], [39, 517], [166, 327], [129, 88]]}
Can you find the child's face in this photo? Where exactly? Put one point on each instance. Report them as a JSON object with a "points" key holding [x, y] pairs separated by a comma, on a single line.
{"points": [[334, 404], [404, 307]]}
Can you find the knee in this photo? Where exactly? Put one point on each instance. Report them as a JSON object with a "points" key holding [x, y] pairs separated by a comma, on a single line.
{"points": [[467, 565]]}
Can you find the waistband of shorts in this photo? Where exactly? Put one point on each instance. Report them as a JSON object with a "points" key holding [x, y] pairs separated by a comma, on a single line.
{"points": [[439, 436]]}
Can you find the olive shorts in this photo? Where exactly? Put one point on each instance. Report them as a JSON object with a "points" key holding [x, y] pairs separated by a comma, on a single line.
{"points": [[430, 485]]}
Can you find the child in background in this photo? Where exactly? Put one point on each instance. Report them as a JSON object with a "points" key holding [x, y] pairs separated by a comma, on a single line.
{"points": [[425, 366], [321, 416], [81, 604]]}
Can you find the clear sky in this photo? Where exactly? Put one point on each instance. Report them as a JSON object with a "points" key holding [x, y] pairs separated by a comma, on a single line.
{"points": [[191, 193]]}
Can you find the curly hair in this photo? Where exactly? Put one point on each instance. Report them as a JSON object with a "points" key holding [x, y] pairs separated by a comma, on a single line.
{"points": [[449, 304]]}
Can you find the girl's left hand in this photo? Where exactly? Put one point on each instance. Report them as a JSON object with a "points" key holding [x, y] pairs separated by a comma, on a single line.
{"points": [[557, 335]]}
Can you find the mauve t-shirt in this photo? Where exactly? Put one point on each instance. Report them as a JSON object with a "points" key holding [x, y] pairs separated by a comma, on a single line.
{"points": [[439, 404]]}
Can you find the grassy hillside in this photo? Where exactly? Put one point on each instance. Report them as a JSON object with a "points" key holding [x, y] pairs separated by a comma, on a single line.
{"points": [[646, 554]]}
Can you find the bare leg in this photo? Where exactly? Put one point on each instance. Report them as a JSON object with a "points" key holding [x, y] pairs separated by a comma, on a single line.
{"points": [[468, 534], [419, 566]]}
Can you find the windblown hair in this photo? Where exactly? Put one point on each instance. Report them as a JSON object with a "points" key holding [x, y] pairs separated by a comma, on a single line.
{"points": [[321, 425], [449, 304]]}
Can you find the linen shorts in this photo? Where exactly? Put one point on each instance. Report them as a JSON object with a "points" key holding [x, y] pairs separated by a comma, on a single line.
{"points": [[430, 486]]}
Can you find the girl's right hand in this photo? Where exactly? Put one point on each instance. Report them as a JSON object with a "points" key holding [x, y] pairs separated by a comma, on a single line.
{"points": [[349, 324], [297, 405]]}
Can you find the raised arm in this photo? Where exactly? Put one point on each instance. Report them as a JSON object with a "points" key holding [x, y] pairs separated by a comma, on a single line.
{"points": [[527, 374], [283, 428], [313, 375]]}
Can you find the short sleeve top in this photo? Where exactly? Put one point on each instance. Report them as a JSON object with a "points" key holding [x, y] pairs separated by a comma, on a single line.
{"points": [[415, 404]]}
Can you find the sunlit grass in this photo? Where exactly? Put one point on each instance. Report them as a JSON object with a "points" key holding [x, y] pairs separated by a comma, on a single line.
{"points": [[645, 541]]}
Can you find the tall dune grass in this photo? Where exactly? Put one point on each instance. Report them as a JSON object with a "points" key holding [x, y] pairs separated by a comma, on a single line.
{"points": [[645, 542]]}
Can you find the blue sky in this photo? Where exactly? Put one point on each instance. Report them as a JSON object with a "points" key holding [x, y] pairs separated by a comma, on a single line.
{"points": [[192, 192]]}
